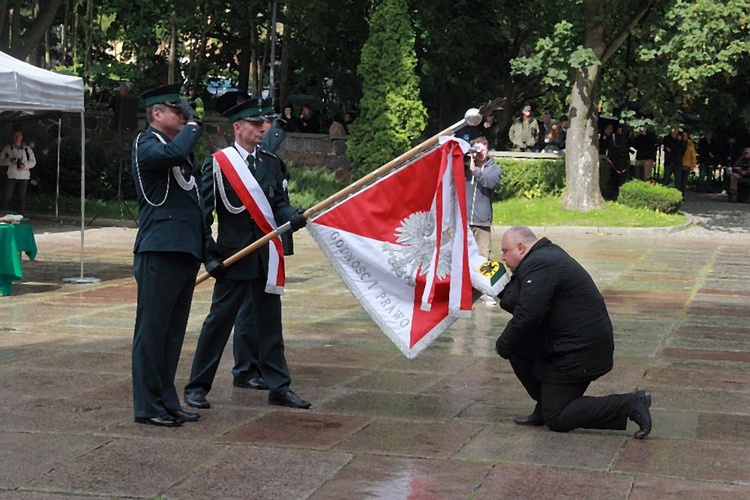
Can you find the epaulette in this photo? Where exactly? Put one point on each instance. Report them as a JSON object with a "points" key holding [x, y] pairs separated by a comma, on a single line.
{"points": [[268, 153]]}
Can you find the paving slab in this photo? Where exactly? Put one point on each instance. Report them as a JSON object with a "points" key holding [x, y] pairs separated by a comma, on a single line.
{"points": [[383, 426], [527, 481]]}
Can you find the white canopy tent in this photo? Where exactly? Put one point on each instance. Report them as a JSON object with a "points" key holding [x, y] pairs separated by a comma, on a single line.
{"points": [[27, 89]]}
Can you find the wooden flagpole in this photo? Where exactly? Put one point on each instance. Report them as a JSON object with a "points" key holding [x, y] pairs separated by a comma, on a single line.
{"points": [[351, 188]]}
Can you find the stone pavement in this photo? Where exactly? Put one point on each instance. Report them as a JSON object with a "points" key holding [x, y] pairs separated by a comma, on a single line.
{"points": [[383, 426]]}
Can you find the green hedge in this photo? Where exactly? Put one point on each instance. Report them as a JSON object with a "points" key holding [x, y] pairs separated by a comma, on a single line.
{"points": [[530, 178], [639, 194], [308, 187]]}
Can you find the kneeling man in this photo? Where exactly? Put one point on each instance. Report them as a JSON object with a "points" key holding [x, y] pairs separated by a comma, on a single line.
{"points": [[560, 339]]}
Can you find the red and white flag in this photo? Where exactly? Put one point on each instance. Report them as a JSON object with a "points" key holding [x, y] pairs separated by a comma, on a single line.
{"points": [[236, 171], [400, 245]]}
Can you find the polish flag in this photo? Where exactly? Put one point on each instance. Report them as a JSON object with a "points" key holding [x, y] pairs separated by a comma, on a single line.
{"points": [[401, 245]]}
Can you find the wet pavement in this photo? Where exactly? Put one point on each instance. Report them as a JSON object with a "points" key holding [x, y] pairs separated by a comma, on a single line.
{"points": [[383, 426]]}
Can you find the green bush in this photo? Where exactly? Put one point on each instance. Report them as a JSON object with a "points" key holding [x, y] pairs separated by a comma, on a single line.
{"points": [[639, 194], [308, 187], [530, 178]]}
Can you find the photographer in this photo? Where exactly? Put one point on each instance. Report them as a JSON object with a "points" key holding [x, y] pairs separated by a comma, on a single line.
{"points": [[482, 177], [19, 159]]}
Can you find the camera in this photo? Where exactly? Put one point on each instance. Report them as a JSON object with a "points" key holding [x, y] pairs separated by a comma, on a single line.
{"points": [[474, 149]]}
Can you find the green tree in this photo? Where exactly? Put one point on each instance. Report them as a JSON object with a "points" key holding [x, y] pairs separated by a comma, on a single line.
{"points": [[392, 113], [23, 24], [602, 33], [703, 50]]}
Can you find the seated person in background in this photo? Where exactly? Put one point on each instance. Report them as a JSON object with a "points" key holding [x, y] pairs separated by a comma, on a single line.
{"points": [[741, 169], [728, 154]]}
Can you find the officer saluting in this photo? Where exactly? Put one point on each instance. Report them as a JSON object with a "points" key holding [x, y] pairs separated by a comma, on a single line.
{"points": [[245, 186], [168, 251]]}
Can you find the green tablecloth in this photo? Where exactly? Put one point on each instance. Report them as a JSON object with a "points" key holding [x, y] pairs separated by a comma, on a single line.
{"points": [[25, 239], [10, 261]]}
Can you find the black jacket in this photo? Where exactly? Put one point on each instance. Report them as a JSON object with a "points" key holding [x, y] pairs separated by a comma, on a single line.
{"points": [[674, 150], [559, 313]]}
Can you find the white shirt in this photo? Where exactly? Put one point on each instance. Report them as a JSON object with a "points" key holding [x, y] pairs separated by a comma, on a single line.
{"points": [[25, 161]]}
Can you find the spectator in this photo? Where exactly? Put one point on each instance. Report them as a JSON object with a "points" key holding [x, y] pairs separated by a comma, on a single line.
{"points": [[740, 170], [125, 108], [554, 140], [289, 120], [689, 159], [544, 128], [482, 177], [524, 132], [309, 122], [490, 129], [18, 159], [645, 145], [728, 155], [564, 126], [708, 157], [674, 149]]}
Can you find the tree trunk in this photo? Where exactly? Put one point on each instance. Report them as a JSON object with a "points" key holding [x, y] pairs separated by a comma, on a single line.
{"points": [[88, 60], [582, 153], [284, 80], [22, 45], [581, 145], [172, 47]]}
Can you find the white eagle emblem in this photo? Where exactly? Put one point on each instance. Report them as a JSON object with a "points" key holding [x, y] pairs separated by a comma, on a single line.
{"points": [[417, 238]]}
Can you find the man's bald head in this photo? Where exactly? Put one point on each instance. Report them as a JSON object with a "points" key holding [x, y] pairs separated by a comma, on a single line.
{"points": [[516, 243]]}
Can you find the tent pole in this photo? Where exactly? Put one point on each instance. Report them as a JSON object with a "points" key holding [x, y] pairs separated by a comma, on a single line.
{"points": [[81, 279], [57, 191], [83, 182]]}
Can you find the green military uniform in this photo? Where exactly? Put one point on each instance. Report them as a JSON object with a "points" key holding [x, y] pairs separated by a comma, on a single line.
{"points": [[168, 250], [242, 287]]}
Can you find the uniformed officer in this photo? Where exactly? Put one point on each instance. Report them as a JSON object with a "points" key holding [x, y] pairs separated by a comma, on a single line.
{"points": [[245, 344], [168, 251], [243, 284]]}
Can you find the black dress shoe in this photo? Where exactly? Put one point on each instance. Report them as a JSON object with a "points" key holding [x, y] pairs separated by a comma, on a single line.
{"points": [[534, 420], [288, 398], [185, 416], [197, 400], [638, 412], [161, 420], [256, 383]]}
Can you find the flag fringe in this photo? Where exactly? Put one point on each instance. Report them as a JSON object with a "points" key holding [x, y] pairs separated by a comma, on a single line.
{"points": [[357, 294]]}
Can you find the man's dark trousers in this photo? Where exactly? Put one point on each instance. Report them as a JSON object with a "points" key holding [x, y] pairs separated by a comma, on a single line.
{"points": [[161, 318], [564, 407], [264, 324]]}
